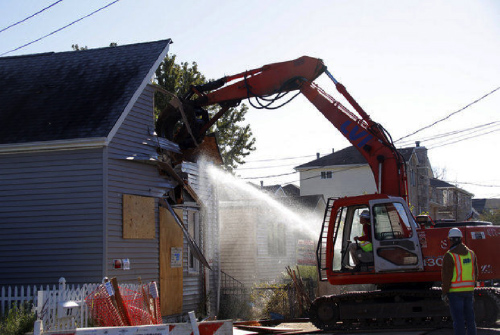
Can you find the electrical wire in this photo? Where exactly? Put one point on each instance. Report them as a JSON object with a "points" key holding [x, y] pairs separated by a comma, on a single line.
{"points": [[58, 30], [280, 159], [460, 140], [471, 130], [449, 115], [473, 184], [391, 143], [273, 176], [266, 167], [312, 177], [453, 133], [29, 17]]}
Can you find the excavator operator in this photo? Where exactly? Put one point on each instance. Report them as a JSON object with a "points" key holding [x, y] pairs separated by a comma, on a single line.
{"points": [[363, 242]]}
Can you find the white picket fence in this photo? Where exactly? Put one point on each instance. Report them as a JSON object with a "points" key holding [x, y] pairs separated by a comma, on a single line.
{"points": [[17, 295], [60, 308]]}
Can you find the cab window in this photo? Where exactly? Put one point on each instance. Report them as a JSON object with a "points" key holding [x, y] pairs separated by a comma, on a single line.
{"points": [[391, 221]]}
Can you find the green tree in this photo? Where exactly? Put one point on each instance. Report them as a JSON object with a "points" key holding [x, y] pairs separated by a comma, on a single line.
{"points": [[76, 47], [491, 216], [235, 141]]}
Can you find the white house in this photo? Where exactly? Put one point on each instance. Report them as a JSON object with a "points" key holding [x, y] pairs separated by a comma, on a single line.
{"points": [[346, 173]]}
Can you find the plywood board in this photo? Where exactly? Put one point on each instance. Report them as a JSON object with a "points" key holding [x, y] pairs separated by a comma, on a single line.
{"points": [[171, 279], [138, 217]]}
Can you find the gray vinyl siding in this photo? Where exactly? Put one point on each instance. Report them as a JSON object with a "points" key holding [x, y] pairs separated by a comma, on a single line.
{"points": [[125, 176], [209, 243], [191, 280], [51, 210]]}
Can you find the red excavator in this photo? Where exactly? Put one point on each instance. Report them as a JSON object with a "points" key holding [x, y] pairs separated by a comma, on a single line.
{"points": [[405, 263]]}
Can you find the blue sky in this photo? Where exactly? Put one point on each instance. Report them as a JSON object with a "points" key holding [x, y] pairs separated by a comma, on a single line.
{"points": [[408, 63]]}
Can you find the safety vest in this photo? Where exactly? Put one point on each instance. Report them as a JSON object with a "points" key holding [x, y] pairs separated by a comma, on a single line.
{"points": [[366, 246], [463, 272]]}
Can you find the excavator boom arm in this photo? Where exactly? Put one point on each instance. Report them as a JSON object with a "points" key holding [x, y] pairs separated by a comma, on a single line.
{"points": [[367, 136]]}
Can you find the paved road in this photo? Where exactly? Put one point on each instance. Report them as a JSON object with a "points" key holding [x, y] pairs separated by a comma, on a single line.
{"points": [[480, 331], [304, 327]]}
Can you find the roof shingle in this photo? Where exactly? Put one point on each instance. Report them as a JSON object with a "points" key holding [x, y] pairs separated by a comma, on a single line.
{"points": [[68, 95]]}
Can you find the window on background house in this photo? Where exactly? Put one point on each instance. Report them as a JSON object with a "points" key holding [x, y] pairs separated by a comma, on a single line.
{"points": [[326, 174], [412, 178], [276, 239], [193, 226]]}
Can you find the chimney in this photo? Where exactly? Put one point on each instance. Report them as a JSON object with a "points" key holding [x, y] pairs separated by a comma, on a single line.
{"points": [[417, 144], [261, 184], [333, 150], [317, 155]]}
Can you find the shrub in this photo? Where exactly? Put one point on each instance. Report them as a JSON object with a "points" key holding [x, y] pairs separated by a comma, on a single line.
{"points": [[234, 306], [18, 321]]}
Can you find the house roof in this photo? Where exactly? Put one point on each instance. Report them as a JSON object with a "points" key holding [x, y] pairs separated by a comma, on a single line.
{"points": [[291, 190], [75, 94], [437, 183], [486, 204], [272, 189], [440, 183], [347, 156], [308, 201]]}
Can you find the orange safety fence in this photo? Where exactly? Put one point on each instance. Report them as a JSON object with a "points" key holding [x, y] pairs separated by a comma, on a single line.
{"points": [[135, 308]]}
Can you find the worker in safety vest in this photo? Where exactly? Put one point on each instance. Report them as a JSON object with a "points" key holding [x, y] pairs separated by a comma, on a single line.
{"points": [[459, 275], [363, 241]]}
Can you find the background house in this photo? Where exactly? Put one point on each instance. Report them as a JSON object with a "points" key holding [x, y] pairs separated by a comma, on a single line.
{"points": [[83, 174], [261, 229], [449, 202], [346, 173], [486, 205]]}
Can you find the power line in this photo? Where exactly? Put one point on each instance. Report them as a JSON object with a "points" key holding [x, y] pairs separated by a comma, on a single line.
{"points": [[473, 184], [453, 133], [273, 176], [29, 17], [449, 115], [58, 30], [280, 159], [312, 177], [265, 167], [460, 140]]}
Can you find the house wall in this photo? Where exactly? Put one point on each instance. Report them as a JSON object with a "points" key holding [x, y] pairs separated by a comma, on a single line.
{"points": [[258, 240], [346, 181], [125, 176], [51, 217], [270, 264], [205, 280], [453, 204], [420, 195], [351, 180], [238, 236]]}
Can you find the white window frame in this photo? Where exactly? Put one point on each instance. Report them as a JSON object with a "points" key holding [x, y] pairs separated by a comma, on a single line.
{"points": [[326, 174]]}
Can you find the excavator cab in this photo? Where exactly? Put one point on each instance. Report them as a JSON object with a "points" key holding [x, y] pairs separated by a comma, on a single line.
{"points": [[391, 232]]}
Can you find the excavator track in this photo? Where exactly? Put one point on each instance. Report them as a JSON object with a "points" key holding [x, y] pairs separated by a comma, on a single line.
{"points": [[396, 309]]}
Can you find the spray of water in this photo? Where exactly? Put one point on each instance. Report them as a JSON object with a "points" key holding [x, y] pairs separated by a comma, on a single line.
{"points": [[297, 218]]}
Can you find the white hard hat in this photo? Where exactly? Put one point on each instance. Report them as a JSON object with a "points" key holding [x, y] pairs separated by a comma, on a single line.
{"points": [[455, 232]]}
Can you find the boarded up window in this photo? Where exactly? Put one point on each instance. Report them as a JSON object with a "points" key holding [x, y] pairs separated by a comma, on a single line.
{"points": [[138, 217]]}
